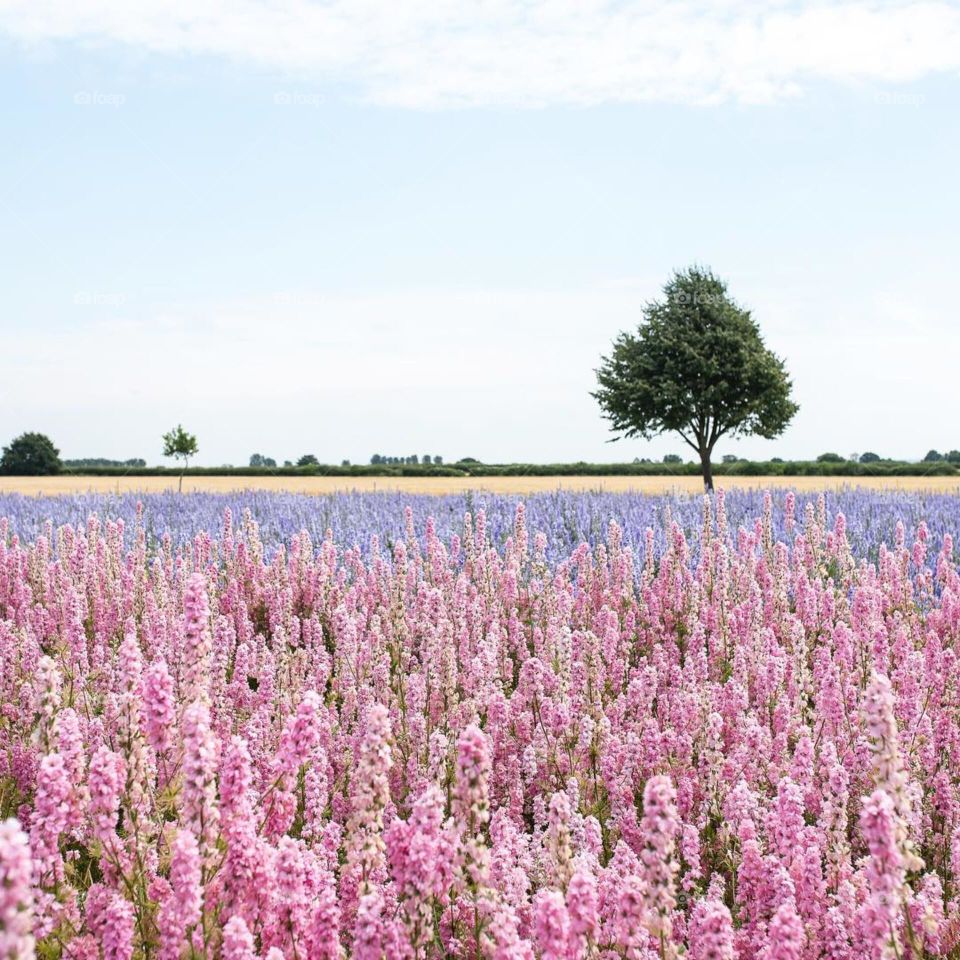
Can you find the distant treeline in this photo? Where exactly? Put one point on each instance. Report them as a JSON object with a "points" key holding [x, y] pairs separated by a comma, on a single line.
{"points": [[89, 462], [742, 468]]}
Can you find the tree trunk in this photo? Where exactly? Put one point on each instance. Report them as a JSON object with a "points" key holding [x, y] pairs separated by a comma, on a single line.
{"points": [[180, 484], [707, 469]]}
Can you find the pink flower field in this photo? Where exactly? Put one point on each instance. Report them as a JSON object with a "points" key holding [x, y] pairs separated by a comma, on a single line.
{"points": [[733, 748]]}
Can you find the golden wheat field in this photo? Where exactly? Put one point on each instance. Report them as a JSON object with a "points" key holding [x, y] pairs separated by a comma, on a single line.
{"points": [[45, 486]]}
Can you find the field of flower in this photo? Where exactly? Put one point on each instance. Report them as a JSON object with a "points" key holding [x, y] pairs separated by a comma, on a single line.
{"points": [[574, 726]]}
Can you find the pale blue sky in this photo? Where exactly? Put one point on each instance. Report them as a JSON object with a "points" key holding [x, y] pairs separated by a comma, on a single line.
{"points": [[341, 229]]}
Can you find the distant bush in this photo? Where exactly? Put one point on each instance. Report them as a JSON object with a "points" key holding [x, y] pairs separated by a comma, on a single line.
{"points": [[378, 460], [672, 458], [308, 460], [869, 457], [85, 462], [30, 455]]}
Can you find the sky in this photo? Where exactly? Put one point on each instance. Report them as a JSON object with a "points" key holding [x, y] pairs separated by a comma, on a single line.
{"points": [[347, 228]]}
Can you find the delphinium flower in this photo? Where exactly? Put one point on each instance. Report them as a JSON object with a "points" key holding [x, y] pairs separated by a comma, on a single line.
{"points": [[199, 790], [520, 532], [70, 746], [300, 735], [558, 839], [111, 919], [16, 894], [471, 808], [243, 859], [626, 919], [324, 931], [49, 683], [659, 829], [371, 938], [129, 730], [421, 852], [886, 875], [196, 640], [159, 711], [50, 816], [237, 940], [711, 931], [583, 910], [928, 918], [786, 937], [552, 925], [182, 909], [106, 781], [291, 919], [316, 796], [891, 777], [833, 815], [370, 793]]}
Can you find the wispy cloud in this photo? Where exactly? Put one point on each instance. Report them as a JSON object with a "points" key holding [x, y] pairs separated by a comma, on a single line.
{"points": [[429, 54]]}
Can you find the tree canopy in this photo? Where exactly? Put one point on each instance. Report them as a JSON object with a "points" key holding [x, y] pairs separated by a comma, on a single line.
{"points": [[182, 445], [696, 366], [30, 455]]}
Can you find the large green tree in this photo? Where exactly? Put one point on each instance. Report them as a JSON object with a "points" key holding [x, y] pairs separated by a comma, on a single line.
{"points": [[696, 366], [30, 455]]}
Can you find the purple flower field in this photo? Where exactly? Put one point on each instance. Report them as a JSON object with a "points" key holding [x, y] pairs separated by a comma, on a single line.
{"points": [[565, 519]]}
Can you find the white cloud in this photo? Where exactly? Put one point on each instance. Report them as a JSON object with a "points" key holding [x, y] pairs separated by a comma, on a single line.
{"points": [[446, 53]]}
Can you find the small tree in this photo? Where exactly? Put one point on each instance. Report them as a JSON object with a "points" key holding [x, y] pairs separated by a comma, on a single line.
{"points": [[933, 456], [308, 460], [869, 457], [427, 459], [438, 461], [830, 458], [696, 366], [953, 456], [181, 445], [256, 460], [30, 455], [672, 458]]}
